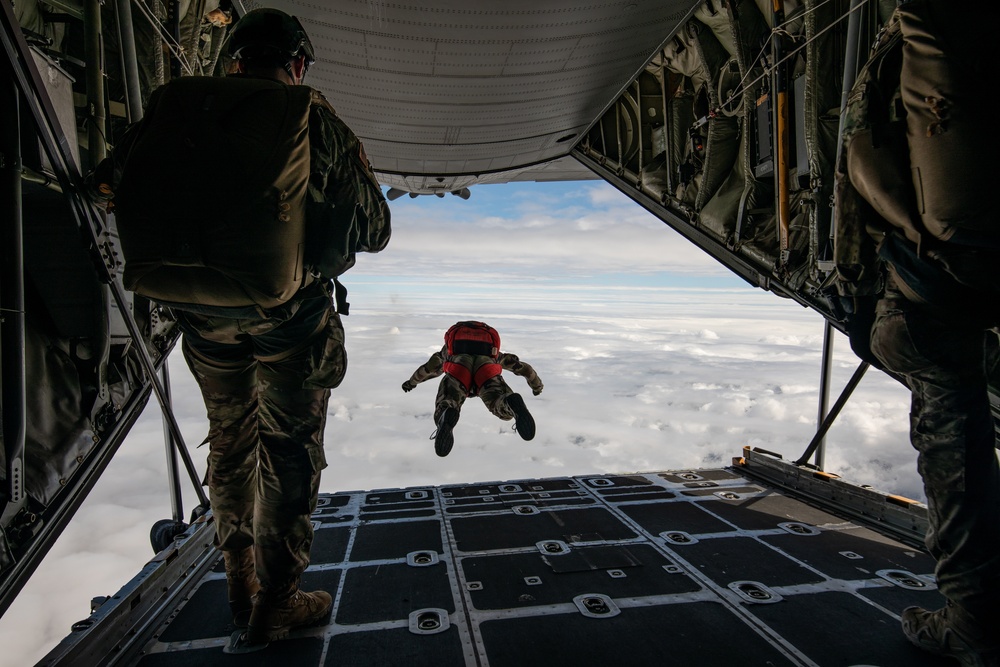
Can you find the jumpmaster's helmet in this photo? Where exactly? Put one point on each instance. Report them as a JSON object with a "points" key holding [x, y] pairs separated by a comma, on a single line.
{"points": [[270, 36]]}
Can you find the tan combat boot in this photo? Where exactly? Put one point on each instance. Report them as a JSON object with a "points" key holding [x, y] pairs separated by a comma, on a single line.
{"points": [[276, 613], [241, 578]]}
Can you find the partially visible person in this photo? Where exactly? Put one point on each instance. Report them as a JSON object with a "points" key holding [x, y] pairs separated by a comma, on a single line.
{"points": [[936, 323], [471, 362]]}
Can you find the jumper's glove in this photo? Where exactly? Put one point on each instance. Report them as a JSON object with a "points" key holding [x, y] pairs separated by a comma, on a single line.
{"points": [[105, 197], [536, 391], [408, 385], [98, 185]]}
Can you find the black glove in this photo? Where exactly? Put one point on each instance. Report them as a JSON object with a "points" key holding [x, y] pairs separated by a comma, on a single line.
{"points": [[408, 386], [98, 185], [536, 392]]}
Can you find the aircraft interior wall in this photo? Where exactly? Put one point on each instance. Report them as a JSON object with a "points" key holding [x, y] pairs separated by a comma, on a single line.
{"points": [[80, 383], [693, 138]]}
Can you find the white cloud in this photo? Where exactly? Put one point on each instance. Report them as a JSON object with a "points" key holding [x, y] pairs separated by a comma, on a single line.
{"points": [[615, 236]]}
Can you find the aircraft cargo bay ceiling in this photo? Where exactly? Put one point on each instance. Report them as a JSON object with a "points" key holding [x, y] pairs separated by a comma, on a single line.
{"points": [[453, 93]]}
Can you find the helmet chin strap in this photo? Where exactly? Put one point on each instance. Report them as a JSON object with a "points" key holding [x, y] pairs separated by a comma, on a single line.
{"points": [[297, 63]]}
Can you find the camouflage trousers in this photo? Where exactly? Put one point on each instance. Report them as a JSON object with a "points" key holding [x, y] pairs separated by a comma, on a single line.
{"points": [[948, 361], [266, 384], [451, 394]]}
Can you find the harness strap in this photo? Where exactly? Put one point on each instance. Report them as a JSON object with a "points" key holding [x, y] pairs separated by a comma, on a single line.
{"points": [[340, 298], [471, 382], [485, 372], [460, 373]]}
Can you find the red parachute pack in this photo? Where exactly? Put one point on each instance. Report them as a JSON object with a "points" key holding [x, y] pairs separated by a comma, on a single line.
{"points": [[477, 338]]}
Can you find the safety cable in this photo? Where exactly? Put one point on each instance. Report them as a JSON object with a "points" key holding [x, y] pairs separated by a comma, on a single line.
{"points": [[176, 49]]}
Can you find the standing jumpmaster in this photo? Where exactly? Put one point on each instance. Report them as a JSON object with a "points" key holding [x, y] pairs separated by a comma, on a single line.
{"points": [[472, 362], [250, 268]]}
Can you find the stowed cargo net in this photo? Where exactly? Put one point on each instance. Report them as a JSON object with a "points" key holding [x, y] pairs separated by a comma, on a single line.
{"points": [[472, 339], [211, 205]]}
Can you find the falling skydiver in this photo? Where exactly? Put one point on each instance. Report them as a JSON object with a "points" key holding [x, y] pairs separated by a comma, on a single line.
{"points": [[472, 362]]}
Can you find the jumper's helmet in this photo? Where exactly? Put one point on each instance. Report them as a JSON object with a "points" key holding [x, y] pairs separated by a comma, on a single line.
{"points": [[270, 37]]}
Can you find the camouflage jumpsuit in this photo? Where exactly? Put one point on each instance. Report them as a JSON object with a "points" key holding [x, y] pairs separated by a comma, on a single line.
{"points": [[266, 377], [452, 393]]}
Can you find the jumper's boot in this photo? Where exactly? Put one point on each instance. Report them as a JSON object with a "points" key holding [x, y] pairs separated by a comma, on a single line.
{"points": [[278, 612], [954, 633], [241, 578], [524, 423], [444, 439]]}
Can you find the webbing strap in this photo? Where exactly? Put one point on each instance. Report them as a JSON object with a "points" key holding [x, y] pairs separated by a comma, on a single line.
{"points": [[460, 373], [485, 372], [471, 382], [340, 298]]}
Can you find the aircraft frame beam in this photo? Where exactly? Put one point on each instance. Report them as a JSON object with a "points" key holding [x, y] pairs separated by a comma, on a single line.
{"points": [[824, 388], [173, 472], [93, 42], [817, 440], [850, 76], [130, 66], [14, 413]]}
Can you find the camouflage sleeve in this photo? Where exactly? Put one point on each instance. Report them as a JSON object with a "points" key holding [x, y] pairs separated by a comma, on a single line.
{"points": [[341, 176], [432, 369], [511, 363]]}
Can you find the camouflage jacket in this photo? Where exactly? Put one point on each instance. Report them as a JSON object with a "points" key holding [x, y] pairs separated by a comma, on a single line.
{"points": [[345, 211]]}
